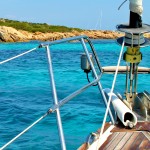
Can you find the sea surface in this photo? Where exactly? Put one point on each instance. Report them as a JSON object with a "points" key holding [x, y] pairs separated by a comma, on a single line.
{"points": [[26, 94]]}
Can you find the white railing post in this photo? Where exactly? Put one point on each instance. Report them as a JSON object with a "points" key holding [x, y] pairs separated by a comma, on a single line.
{"points": [[96, 76], [62, 139]]}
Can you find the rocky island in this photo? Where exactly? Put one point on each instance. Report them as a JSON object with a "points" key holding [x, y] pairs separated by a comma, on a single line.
{"points": [[15, 31], [9, 34]]}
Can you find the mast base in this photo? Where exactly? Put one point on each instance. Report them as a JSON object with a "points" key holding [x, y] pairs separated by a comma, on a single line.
{"points": [[146, 43], [134, 36]]}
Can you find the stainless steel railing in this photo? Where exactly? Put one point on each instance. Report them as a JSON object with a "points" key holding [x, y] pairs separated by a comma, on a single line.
{"points": [[57, 105]]}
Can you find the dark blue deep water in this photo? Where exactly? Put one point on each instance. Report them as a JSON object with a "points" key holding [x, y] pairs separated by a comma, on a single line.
{"points": [[25, 93]]}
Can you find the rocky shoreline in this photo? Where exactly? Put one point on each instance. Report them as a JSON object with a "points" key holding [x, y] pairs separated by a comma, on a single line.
{"points": [[9, 34]]}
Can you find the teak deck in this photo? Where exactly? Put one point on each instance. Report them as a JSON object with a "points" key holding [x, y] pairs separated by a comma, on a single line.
{"points": [[121, 138], [129, 139]]}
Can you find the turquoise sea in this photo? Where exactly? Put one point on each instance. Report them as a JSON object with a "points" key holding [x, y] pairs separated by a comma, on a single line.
{"points": [[25, 93]]}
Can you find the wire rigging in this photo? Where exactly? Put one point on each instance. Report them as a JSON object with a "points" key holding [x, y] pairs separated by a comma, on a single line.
{"points": [[122, 4]]}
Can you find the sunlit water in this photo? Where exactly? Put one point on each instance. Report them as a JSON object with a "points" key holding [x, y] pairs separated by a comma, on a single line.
{"points": [[25, 93]]}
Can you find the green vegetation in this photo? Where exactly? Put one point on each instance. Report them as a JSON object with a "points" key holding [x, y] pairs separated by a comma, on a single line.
{"points": [[35, 27]]}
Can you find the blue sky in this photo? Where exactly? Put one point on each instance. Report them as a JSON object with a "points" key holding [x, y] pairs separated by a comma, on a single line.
{"points": [[85, 14]]}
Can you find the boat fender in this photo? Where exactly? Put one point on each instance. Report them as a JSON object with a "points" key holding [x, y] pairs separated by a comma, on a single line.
{"points": [[126, 116]]}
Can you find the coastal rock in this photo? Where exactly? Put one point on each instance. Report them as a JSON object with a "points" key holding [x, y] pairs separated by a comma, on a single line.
{"points": [[9, 34]]}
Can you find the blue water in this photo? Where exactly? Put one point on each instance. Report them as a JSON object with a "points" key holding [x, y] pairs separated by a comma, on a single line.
{"points": [[25, 93]]}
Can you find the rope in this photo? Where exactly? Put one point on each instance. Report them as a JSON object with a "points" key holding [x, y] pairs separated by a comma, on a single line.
{"points": [[111, 92], [121, 5], [9, 59], [87, 76]]}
